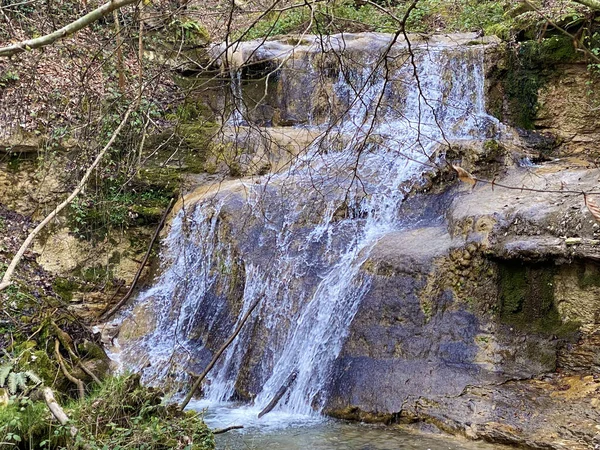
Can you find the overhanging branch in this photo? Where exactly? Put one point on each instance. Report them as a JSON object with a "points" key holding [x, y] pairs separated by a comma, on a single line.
{"points": [[594, 4], [65, 31]]}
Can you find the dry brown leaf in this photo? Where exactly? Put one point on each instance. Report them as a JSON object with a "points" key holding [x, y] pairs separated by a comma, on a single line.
{"points": [[593, 207], [464, 176]]}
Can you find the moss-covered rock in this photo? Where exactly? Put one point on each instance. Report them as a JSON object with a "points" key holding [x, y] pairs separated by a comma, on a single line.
{"points": [[526, 295]]}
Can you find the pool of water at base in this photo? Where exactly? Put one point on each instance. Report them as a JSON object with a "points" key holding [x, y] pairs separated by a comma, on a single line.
{"points": [[281, 431]]}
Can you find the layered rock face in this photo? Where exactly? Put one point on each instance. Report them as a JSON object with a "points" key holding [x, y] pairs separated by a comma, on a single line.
{"points": [[396, 293], [490, 328]]}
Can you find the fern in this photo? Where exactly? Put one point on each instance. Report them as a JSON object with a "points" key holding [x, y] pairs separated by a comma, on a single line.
{"points": [[16, 381], [4, 371], [22, 381], [12, 383], [33, 377]]}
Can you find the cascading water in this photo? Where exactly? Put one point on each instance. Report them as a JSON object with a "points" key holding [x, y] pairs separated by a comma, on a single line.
{"points": [[296, 240]]}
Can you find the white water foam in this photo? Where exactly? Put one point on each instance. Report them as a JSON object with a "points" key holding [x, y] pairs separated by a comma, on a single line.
{"points": [[303, 262]]}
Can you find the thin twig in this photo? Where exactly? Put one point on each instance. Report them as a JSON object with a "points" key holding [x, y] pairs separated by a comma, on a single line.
{"points": [[226, 429]]}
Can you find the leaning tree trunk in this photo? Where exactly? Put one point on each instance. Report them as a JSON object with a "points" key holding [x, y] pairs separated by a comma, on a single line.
{"points": [[6, 279]]}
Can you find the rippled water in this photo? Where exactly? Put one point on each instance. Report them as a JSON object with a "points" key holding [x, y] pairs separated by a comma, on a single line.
{"points": [[283, 431]]}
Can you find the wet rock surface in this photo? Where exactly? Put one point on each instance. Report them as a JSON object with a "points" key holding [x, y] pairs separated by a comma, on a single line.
{"points": [[481, 316], [502, 345]]}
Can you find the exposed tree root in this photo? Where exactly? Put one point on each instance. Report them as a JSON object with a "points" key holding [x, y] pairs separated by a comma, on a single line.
{"points": [[66, 373]]}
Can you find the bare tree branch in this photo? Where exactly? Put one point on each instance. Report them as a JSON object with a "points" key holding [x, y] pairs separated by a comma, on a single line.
{"points": [[65, 31], [217, 355], [6, 279], [109, 313]]}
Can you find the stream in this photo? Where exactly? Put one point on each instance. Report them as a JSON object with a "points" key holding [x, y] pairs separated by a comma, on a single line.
{"points": [[284, 431]]}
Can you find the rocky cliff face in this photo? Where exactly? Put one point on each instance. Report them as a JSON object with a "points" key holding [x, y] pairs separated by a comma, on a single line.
{"points": [[490, 322], [479, 316]]}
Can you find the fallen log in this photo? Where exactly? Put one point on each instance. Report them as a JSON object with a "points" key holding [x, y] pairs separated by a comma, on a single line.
{"points": [[280, 393], [56, 410], [212, 363]]}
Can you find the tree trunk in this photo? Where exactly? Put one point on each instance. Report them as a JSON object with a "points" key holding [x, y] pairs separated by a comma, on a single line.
{"points": [[119, 40], [6, 279]]}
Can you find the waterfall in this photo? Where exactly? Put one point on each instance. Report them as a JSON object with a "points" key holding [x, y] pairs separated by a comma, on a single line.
{"points": [[297, 239]]}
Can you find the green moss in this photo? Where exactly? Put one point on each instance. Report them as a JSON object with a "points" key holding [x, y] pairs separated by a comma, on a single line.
{"points": [[530, 65], [64, 287], [526, 295], [191, 111], [554, 50], [40, 363], [198, 136], [90, 350], [502, 29], [588, 276], [513, 288], [522, 85], [147, 215], [94, 274], [492, 146]]}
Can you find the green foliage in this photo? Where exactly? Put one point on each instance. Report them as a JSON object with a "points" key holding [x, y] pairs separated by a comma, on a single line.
{"points": [[7, 77], [462, 15], [593, 43], [276, 24], [122, 414], [189, 32], [112, 206], [119, 414], [354, 16], [23, 421], [5, 369], [327, 18], [118, 196]]}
